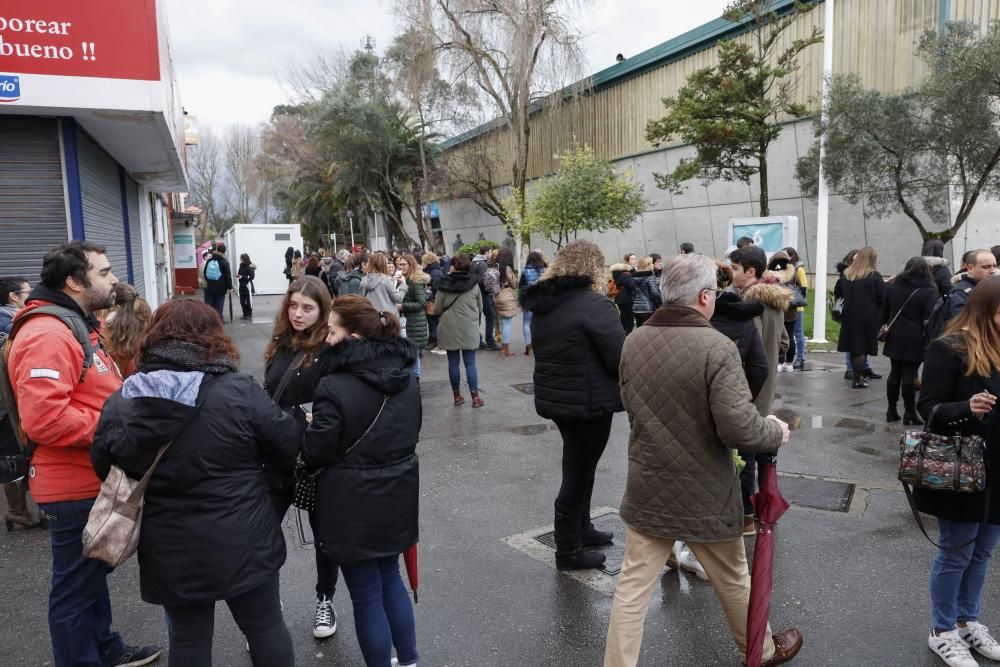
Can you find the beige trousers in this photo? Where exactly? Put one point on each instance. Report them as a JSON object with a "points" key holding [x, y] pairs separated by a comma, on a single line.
{"points": [[725, 564]]}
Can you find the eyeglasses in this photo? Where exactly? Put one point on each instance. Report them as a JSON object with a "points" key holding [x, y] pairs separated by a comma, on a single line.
{"points": [[716, 292]]}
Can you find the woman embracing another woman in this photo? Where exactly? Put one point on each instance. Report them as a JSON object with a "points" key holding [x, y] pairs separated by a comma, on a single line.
{"points": [[362, 443]]}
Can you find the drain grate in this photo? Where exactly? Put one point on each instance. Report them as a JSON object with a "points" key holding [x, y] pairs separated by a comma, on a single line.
{"points": [[817, 493], [528, 388], [614, 552]]}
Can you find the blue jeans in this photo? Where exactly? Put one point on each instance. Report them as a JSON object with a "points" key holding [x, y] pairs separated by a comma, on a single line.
{"points": [[432, 326], [416, 367], [217, 301], [383, 615], [455, 373], [527, 327], [800, 340], [79, 604], [258, 615], [847, 362], [957, 576], [506, 324]]}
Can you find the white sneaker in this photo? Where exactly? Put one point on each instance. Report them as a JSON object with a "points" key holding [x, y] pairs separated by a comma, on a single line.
{"points": [[950, 647], [781, 368], [326, 618], [395, 663], [687, 560], [977, 636]]}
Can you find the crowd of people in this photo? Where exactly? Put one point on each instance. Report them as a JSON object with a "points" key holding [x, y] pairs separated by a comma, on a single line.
{"points": [[689, 347]]}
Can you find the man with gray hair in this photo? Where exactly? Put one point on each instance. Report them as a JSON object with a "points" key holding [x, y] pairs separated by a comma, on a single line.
{"points": [[688, 403]]}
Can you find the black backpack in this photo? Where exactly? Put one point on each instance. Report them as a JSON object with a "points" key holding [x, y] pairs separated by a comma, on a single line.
{"points": [[935, 324], [14, 463]]}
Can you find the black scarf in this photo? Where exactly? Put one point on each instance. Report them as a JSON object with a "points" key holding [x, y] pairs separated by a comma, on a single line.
{"points": [[177, 354]]}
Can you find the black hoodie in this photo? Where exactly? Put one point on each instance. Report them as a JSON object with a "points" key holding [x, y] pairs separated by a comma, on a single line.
{"points": [[368, 490], [577, 338]]}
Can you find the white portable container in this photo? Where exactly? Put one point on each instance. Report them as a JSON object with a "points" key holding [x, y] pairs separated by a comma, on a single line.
{"points": [[266, 245]]}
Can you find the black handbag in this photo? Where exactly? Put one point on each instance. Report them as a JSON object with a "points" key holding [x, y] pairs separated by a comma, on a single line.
{"points": [[306, 479]]}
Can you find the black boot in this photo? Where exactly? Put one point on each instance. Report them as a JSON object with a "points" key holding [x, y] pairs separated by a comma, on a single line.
{"points": [[569, 554], [891, 414], [910, 416], [590, 536]]}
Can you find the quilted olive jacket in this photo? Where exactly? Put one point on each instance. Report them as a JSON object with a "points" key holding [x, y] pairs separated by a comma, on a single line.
{"points": [[688, 402]]}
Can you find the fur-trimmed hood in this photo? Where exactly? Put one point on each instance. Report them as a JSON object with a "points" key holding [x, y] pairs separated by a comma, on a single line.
{"points": [[383, 363], [458, 282], [620, 267], [419, 278], [935, 261], [548, 293], [771, 295]]}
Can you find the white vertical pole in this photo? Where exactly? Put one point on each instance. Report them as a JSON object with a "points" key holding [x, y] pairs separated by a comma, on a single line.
{"points": [[823, 209]]}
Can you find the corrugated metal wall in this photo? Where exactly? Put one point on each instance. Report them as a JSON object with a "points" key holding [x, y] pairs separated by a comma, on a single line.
{"points": [[135, 234], [100, 190], [32, 204], [612, 121], [976, 11]]}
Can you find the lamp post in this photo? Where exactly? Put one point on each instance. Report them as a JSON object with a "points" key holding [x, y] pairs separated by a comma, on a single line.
{"points": [[823, 207]]}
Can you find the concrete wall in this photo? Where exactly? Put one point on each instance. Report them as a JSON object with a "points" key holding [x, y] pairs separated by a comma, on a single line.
{"points": [[701, 214]]}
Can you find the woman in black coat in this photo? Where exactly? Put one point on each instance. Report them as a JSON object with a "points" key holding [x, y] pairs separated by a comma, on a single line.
{"points": [[933, 252], [432, 267], [298, 339], [624, 299], [863, 290], [735, 319], [246, 273], [365, 425], [208, 528], [960, 383], [909, 300], [577, 339]]}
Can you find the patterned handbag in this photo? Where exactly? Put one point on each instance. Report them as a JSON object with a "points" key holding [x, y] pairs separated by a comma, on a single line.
{"points": [[955, 464]]}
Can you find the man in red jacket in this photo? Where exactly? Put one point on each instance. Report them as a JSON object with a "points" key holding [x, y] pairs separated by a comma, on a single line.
{"points": [[59, 413]]}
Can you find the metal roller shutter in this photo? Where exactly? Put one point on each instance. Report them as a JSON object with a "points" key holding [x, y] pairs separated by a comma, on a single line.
{"points": [[100, 190], [135, 235], [32, 206]]}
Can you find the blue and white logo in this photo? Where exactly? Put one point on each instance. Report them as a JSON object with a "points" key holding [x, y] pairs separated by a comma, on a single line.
{"points": [[10, 88]]}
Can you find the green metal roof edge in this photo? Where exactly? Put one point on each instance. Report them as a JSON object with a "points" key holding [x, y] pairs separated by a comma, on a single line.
{"points": [[692, 41]]}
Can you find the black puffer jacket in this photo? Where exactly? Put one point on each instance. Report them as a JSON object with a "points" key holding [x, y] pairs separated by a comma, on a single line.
{"points": [[577, 339], [368, 497], [944, 384], [735, 319], [624, 283], [209, 531]]}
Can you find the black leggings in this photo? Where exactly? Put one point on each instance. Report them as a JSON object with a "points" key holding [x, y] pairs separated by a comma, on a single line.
{"points": [[901, 378], [583, 444], [790, 354], [245, 302], [256, 612], [628, 319], [326, 571]]}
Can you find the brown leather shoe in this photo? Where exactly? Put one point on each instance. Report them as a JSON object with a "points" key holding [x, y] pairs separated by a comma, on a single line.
{"points": [[786, 646], [749, 525]]}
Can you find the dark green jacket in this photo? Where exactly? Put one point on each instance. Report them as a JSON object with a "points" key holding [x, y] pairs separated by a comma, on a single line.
{"points": [[414, 302]]}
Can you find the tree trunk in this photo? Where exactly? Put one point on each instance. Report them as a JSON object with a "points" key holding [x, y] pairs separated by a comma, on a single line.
{"points": [[418, 205], [765, 206]]}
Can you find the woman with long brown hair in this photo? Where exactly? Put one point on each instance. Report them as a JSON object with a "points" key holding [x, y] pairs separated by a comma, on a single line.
{"points": [[363, 439], [124, 326], [291, 375], [208, 529], [960, 383], [863, 290]]}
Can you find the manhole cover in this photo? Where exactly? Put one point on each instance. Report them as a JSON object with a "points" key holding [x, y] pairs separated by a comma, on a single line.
{"points": [[532, 429], [528, 388], [614, 552], [817, 493]]}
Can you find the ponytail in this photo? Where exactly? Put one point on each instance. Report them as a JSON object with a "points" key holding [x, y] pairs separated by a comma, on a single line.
{"points": [[358, 316]]}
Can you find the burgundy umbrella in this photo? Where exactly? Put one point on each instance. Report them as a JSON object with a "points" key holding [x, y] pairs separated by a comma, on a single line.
{"points": [[410, 560], [768, 505]]}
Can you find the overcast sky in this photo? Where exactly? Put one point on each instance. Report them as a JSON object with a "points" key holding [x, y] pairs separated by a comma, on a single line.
{"points": [[231, 55]]}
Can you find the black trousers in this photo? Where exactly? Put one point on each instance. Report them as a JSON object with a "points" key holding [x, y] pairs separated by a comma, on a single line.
{"points": [[327, 573], [256, 612], [583, 444], [790, 354], [640, 318], [245, 302], [902, 377], [627, 317]]}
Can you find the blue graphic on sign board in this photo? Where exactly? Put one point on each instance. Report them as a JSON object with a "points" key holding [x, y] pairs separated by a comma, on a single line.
{"points": [[10, 88], [767, 235]]}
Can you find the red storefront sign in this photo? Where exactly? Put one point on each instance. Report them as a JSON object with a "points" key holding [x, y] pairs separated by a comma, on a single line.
{"points": [[112, 39]]}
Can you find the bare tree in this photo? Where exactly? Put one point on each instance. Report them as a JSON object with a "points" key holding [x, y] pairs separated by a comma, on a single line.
{"points": [[515, 52], [307, 81], [205, 167], [242, 148]]}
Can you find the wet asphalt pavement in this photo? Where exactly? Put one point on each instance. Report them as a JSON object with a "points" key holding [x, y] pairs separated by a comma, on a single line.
{"points": [[854, 581]]}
